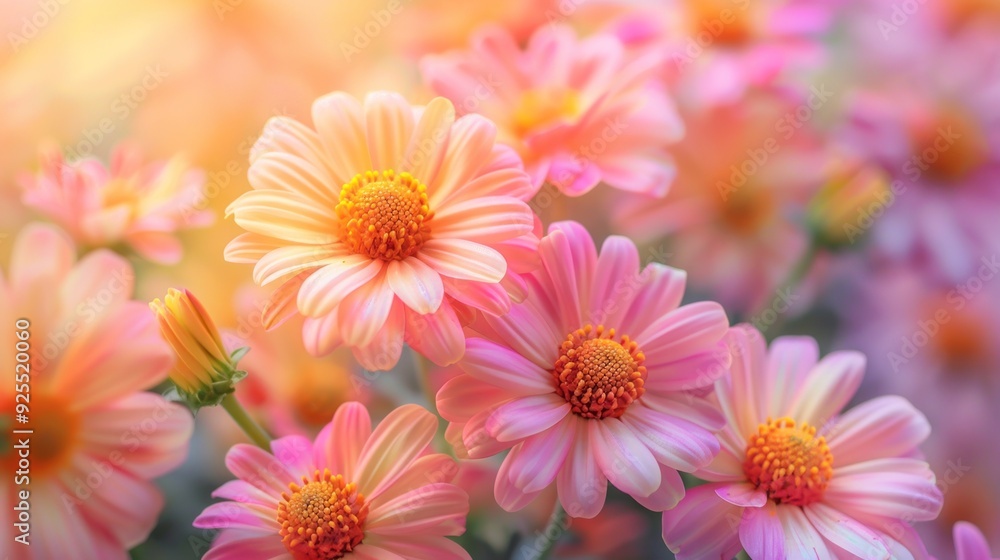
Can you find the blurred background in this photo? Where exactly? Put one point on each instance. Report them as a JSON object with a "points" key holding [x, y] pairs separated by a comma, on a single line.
{"points": [[839, 177]]}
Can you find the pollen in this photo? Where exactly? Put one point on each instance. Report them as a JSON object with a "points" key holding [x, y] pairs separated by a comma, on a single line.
{"points": [[598, 375], [384, 215], [789, 462], [322, 519]]}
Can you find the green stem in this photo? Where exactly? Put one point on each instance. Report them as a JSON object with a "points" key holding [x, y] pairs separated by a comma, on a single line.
{"points": [[244, 421], [550, 535]]}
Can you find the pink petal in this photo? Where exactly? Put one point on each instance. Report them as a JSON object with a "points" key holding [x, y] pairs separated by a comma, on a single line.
{"points": [[691, 329], [674, 441], [232, 515], [970, 544], [463, 397], [437, 336], [668, 495], [248, 248], [281, 305], [425, 548], [802, 540], [582, 486], [844, 532], [743, 396], [290, 216], [322, 335], [762, 534], [328, 286], [702, 526], [260, 468], [382, 352], [570, 258], [882, 427], [416, 284], [790, 360], [100, 275], [147, 434], [339, 120], [430, 141], [623, 458], [526, 416], [401, 437], [296, 453], [161, 247], [429, 469], [896, 488], [248, 545], [284, 136], [471, 144], [504, 368], [529, 330], [477, 439], [286, 171], [535, 461], [507, 494], [660, 291], [688, 373], [363, 313], [484, 296], [128, 368], [285, 262], [389, 126], [828, 388], [338, 445], [431, 509], [742, 494], [244, 492], [488, 219], [616, 282], [464, 260]]}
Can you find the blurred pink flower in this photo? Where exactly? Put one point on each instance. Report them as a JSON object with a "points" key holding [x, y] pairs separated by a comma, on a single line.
{"points": [[745, 174], [139, 204], [798, 479], [970, 544], [98, 437], [597, 376], [351, 493], [387, 223], [578, 111], [933, 124]]}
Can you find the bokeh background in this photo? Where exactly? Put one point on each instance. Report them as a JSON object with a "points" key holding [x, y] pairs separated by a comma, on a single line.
{"points": [[788, 103]]}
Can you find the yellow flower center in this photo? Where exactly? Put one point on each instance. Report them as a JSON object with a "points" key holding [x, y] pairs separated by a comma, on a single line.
{"points": [[789, 462], [726, 22], [545, 106], [384, 215], [950, 144], [598, 375], [323, 519]]}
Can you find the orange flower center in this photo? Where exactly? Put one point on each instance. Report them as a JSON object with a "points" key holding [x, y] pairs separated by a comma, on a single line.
{"points": [[725, 21], [384, 215], [789, 462], [598, 375], [55, 431], [323, 519], [949, 144]]}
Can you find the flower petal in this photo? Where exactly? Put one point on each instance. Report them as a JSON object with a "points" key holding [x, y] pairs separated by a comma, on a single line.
{"points": [[416, 284], [504, 368], [883, 427], [526, 416], [761, 533], [328, 286], [389, 126], [623, 458], [702, 526], [339, 120], [464, 260], [338, 445], [401, 437]]}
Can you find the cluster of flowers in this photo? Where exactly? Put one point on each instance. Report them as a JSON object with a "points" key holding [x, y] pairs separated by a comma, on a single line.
{"points": [[383, 224]]}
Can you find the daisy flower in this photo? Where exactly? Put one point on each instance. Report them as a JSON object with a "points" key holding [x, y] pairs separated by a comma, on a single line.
{"points": [[795, 477], [352, 493], [597, 376], [386, 223], [578, 111], [98, 439], [130, 202], [970, 544]]}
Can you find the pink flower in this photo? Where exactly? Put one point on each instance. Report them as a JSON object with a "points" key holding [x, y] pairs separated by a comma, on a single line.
{"points": [[970, 544], [597, 376], [386, 223], [577, 110], [933, 128], [140, 205], [98, 437], [795, 477], [733, 214], [351, 493]]}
